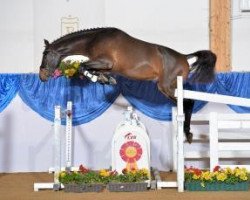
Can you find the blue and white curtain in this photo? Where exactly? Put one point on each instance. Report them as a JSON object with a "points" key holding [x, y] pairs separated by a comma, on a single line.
{"points": [[92, 99]]}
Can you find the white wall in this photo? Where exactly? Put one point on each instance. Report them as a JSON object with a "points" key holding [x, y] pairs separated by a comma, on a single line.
{"points": [[48, 14], [16, 36], [169, 23], [182, 25]]}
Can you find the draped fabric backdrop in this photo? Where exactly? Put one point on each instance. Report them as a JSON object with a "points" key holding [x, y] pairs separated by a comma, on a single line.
{"points": [[27, 137], [90, 100]]}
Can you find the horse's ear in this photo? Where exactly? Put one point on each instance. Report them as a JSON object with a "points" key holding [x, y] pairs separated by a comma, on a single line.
{"points": [[46, 42]]}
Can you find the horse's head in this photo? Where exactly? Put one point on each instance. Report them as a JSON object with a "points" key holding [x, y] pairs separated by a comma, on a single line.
{"points": [[50, 61]]}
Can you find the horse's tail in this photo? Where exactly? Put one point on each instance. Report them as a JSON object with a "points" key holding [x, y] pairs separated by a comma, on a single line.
{"points": [[203, 69]]}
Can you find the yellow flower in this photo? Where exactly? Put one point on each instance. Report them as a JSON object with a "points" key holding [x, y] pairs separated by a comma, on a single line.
{"points": [[228, 170], [104, 173], [70, 72], [243, 177], [76, 64], [215, 173], [206, 175], [196, 177], [62, 174], [221, 176], [133, 171], [237, 172], [144, 171]]}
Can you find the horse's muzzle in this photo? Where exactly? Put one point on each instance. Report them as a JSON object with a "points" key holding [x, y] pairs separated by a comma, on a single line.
{"points": [[43, 75]]}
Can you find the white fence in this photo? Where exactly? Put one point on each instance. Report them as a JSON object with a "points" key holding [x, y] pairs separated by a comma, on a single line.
{"points": [[214, 126], [227, 136]]}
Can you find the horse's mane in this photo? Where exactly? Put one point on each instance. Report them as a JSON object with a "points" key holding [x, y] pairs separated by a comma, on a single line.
{"points": [[79, 33]]}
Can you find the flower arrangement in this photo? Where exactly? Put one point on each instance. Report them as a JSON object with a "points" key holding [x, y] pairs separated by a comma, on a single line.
{"points": [[87, 176], [67, 68], [131, 176], [218, 175]]}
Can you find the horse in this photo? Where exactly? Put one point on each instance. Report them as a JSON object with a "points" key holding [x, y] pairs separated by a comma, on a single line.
{"points": [[113, 51]]}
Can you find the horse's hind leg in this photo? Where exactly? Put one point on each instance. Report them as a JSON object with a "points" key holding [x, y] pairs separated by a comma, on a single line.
{"points": [[188, 105], [169, 90]]}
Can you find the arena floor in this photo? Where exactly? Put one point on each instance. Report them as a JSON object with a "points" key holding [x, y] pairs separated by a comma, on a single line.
{"points": [[19, 186]]}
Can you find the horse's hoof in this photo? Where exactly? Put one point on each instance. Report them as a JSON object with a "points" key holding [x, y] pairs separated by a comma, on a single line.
{"points": [[112, 81], [190, 138]]}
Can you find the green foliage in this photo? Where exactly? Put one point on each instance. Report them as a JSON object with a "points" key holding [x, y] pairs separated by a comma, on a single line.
{"points": [[87, 176]]}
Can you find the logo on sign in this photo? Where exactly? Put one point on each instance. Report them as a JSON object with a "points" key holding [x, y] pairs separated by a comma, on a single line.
{"points": [[130, 136]]}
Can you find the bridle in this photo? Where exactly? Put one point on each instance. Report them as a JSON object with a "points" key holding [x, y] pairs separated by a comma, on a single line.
{"points": [[54, 56]]}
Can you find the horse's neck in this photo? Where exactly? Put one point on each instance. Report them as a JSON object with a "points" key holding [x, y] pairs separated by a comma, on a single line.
{"points": [[74, 47]]}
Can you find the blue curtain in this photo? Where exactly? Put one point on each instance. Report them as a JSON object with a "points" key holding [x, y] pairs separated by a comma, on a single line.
{"points": [[90, 100], [9, 85], [235, 84], [145, 97]]}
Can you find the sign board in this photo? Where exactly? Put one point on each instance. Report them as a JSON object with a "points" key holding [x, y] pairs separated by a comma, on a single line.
{"points": [[130, 145]]}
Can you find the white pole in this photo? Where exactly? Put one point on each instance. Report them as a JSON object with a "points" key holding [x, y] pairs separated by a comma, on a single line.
{"points": [[69, 136], [57, 147], [180, 139], [217, 98], [213, 140], [174, 139]]}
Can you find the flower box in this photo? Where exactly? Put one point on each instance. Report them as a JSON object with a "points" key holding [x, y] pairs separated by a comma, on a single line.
{"points": [[219, 179], [78, 188], [86, 180], [217, 186], [127, 187]]}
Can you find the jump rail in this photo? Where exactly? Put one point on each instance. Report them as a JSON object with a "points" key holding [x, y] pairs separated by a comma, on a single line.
{"points": [[229, 127], [181, 94], [216, 125]]}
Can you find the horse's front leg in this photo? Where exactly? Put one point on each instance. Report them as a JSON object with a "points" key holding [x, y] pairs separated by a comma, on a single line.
{"points": [[99, 64], [97, 69], [188, 105], [105, 78]]}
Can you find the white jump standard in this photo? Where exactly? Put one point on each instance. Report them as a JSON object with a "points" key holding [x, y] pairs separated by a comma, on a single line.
{"points": [[56, 185]]}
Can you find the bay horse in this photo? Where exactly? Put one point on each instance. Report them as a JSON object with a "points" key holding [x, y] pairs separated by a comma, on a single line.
{"points": [[112, 51]]}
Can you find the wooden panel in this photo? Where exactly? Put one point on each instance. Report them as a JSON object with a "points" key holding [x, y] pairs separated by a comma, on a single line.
{"points": [[220, 33]]}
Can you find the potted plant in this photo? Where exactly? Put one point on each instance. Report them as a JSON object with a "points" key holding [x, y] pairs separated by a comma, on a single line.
{"points": [[219, 179], [83, 180], [86, 180]]}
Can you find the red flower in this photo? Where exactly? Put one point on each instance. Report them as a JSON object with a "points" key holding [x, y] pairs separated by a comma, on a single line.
{"points": [[113, 173], [125, 171], [216, 168], [83, 170], [197, 172]]}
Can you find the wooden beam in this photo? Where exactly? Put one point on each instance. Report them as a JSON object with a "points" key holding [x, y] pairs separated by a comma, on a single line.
{"points": [[220, 33]]}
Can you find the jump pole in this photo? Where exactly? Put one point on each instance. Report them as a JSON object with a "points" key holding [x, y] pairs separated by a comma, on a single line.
{"points": [[180, 146], [68, 136], [180, 137]]}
